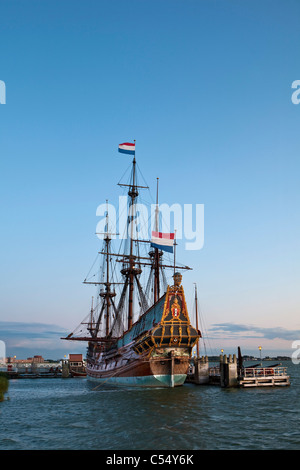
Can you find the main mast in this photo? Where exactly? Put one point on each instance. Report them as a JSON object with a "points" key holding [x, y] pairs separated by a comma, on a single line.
{"points": [[133, 194], [157, 253], [131, 270]]}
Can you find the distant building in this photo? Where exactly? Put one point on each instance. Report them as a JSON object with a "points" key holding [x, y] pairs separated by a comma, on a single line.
{"points": [[75, 360], [38, 359], [29, 360], [76, 365]]}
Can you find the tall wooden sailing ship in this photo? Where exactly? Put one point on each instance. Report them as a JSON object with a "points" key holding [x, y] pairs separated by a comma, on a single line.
{"points": [[144, 339]]}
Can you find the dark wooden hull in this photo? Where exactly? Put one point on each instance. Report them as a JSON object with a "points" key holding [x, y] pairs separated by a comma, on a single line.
{"points": [[76, 373], [166, 370]]}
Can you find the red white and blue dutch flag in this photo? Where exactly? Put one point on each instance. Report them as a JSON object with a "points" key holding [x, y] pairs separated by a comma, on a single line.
{"points": [[163, 241], [128, 148]]}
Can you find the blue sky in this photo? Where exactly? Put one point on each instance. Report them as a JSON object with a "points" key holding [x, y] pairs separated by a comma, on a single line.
{"points": [[205, 89]]}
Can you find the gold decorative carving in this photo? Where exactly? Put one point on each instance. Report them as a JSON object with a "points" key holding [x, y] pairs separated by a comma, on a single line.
{"points": [[175, 309]]}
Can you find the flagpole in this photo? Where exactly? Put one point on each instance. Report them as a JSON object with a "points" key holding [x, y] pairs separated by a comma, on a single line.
{"points": [[197, 326], [156, 253], [156, 209], [174, 250]]}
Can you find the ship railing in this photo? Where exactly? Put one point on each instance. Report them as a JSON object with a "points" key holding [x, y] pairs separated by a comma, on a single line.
{"points": [[264, 371]]}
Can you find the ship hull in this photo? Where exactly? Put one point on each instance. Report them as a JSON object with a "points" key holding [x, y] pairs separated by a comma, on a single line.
{"points": [[142, 381], [168, 370]]}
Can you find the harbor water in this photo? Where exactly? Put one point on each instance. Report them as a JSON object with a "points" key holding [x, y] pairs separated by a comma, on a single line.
{"points": [[76, 414]]}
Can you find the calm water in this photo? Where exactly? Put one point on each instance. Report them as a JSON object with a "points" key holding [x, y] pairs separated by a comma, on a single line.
{"points": [[71, 414]]}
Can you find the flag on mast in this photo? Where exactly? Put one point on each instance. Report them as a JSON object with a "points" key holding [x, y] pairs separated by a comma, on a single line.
{"points": [[128, 148], [163, 241]]}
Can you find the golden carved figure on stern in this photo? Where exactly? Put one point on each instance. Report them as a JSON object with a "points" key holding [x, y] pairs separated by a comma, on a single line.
{"points": [[175, 309], [177, 279]]}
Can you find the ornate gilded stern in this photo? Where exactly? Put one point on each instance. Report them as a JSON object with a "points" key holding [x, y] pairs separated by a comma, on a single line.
{"points": [[175, 328]]}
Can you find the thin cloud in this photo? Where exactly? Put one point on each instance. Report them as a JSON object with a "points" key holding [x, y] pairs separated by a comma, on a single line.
{"points": [[27, 339], [10, 330], [233, 331]]}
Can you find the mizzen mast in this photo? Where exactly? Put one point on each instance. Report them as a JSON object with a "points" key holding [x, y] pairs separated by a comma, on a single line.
{"points": [[107, 294]]}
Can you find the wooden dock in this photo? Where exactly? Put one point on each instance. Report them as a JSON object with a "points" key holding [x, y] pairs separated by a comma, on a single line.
{"points": [[264, 377], [230, 374]]}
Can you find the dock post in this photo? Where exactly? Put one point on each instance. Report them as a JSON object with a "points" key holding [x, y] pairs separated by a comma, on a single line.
{"points": [[65, 369], [228, 371], [172, 370], [201, 370]]}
